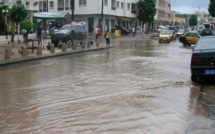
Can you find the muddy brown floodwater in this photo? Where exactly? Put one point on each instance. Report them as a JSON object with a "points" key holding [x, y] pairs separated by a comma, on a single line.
{"points": [[139, 86]]}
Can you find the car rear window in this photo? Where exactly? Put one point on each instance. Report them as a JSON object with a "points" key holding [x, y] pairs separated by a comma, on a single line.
{"points": [[205, 44], [164, 32]]}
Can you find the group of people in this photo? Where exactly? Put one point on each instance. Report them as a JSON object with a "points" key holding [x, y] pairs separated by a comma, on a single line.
{"points": [[107, 34], [111, 34], [25, 33]]}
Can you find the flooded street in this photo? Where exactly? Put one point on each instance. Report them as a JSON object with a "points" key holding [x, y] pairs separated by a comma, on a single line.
{"points": [[139, 86]]}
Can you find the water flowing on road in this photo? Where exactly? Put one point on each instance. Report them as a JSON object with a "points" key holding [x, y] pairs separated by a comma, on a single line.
{"points": [[136, 87]]}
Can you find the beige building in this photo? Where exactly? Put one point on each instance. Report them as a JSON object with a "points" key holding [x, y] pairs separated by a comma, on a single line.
{"points": [[179, 21], [163, 14]]}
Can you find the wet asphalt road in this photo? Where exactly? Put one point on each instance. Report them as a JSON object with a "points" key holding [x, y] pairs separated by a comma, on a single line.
{"points": [[139, 86]]}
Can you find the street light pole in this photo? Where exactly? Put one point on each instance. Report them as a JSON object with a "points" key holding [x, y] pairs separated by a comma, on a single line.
{"points": [[47, 5], [72, 8], [5, 17], [102, 16]]}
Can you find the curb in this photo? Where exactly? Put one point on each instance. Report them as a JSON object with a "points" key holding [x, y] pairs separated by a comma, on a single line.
{"points": [[38, 57]]}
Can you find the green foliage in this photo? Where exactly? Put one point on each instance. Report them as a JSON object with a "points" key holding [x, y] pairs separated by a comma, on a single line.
{"points": [[2, 19], [10, 28], [18, 12], [27, 25], [35, 22], [211, 8], [147, 10], [193, 20]]}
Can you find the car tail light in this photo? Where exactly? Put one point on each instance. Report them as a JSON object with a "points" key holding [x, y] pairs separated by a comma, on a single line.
{"points": [[196, 60]]}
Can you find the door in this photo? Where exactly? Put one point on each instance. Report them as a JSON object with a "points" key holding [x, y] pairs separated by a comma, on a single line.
{"points": [[107, 24], [90, 24]]}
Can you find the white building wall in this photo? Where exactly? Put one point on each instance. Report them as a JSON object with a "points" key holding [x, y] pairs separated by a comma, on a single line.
{"points": [[91, 9]]}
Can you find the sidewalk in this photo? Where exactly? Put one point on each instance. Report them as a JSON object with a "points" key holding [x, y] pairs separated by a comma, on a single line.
{"points": [[17, 57]]}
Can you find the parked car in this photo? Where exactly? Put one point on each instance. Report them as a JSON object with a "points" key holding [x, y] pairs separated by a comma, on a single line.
{"points": [[189, 38], [73, 32], [206, 32], [172, 35], [180, 32], [203, 58], [164, 36], [123, 30]]}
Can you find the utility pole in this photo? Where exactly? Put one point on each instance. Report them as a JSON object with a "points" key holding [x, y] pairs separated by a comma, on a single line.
{"points": [[102, 15], [47, 5], [72, 7]]}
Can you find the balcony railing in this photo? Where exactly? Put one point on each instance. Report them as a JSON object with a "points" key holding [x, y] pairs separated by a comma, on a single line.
{"points": [[133, 11], [113, 8], [60, 8]]}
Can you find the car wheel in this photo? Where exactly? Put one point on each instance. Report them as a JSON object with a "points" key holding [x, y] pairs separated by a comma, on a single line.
{"points": [[193, 78], [184, 44]]}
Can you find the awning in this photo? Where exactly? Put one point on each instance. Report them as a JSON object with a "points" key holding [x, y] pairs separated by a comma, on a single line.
{"points": [[124, 19], [52, 15]]}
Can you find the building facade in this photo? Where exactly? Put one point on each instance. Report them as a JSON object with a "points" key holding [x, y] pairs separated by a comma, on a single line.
{"points": [[121, 12], [163, 14]]}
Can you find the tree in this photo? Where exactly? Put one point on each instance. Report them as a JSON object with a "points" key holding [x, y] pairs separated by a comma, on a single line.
{"points": [[2, 19], [147, 10], [211, 8], [18, 13], [27, 25], [193, 20]]}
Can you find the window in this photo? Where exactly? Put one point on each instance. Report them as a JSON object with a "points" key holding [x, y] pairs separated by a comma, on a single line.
{"points": [[117, 4], [122, 5], [82, 2], [128, 6], [60, 5], [51, 3], [66, 4], [106, 2]]}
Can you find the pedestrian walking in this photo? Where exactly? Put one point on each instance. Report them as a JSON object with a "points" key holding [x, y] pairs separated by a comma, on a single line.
{"points": [[113, 32], [134, 31], [107, 37], [25, 35], [97, 32], [39, 32]]}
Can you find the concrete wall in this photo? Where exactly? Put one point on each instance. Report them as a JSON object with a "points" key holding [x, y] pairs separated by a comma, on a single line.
{"points": [[4, 41]]}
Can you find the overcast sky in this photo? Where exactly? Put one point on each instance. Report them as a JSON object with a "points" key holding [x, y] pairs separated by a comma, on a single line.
{"points": [[190, 6]]}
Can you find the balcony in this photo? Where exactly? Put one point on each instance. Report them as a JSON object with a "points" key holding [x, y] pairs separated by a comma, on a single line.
{"points": [[31, 6], [211, 20], [113, 8], [133, 11]]}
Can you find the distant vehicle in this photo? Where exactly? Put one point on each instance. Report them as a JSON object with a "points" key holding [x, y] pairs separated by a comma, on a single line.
{"points": [[189, 38], [202, 60], [164, 36], [200, 28], [207, 32], [161, 28], [123, 30], [173, 28], [73, 32], [208, 26], [172, 35], [180, 32]]}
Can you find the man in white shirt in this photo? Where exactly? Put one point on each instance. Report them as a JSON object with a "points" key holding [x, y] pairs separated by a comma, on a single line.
{"points": [[97, 32], [134, 31]]}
